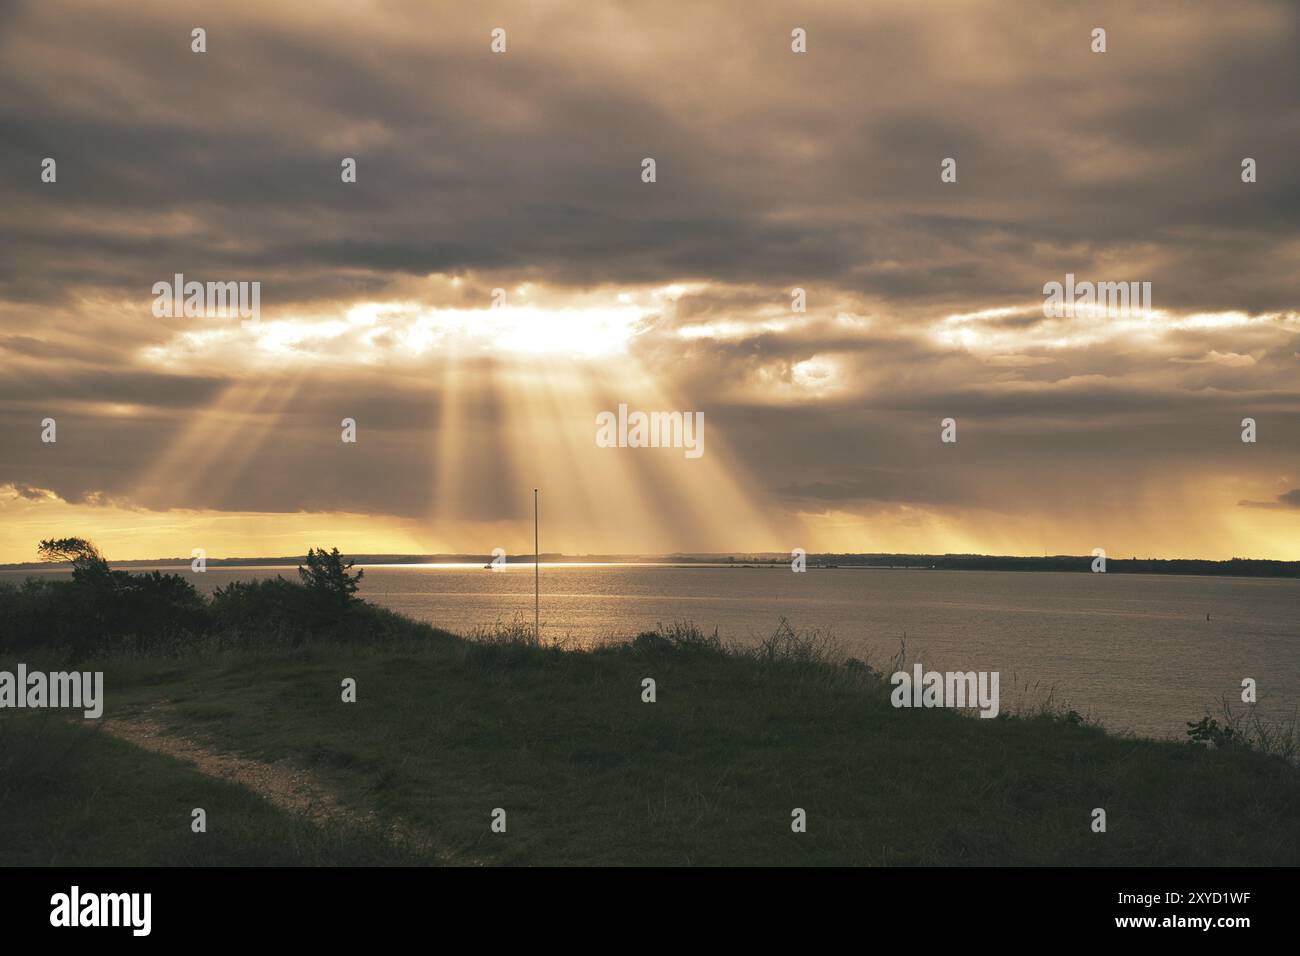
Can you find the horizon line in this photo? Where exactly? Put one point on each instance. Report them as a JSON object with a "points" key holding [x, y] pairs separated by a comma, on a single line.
{"points": [[718, 557]]}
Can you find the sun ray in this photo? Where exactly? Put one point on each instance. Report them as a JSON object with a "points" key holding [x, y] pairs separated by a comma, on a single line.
{"points": [[221, 440]]}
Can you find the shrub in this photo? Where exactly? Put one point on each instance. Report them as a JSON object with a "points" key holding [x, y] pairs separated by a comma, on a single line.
{"points": [[682, 637], [100, 606], [1208, 731], [327, 576], [93, 609]]}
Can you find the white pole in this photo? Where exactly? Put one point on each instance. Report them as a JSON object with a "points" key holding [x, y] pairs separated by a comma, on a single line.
{"points": [[537, 600]]}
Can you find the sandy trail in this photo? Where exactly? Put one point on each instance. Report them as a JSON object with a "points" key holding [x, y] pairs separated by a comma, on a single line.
{"points": [[290, 788]]}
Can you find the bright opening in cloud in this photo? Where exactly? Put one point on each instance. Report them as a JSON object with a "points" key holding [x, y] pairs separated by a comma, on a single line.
{"points": [[378, 332]]}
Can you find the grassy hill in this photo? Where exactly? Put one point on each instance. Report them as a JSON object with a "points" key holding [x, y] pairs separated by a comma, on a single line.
{"points": [[446, 730]]}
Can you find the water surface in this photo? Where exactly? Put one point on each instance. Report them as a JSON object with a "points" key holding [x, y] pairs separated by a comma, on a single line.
{"points": [[1141, 652]]}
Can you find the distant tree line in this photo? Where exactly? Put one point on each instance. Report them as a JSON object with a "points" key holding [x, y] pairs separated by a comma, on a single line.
{"points": [[1242, 567]]}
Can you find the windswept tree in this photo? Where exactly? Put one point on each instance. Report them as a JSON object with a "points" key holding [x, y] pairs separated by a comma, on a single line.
{"points": [[327, 575], [101, 604], [87, 563]]}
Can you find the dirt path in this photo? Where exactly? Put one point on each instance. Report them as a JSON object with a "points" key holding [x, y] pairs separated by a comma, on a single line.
{"points": [[290, 788]]}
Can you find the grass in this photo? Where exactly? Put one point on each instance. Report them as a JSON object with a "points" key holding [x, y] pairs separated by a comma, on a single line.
{"points": [[70, 796], [445, 730]]}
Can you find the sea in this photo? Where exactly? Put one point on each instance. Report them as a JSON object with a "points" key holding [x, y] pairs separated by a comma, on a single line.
{"points": [[1143, 654]]}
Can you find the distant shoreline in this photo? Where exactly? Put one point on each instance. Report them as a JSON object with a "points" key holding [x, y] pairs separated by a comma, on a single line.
{"points": [[1236, 567]]}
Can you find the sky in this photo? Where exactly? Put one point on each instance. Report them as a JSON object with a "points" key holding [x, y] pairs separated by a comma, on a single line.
{"points": [[522, 171]]}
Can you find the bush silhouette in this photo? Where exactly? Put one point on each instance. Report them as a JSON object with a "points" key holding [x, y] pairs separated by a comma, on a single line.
{"points": [[327, 576], [100, 605]]}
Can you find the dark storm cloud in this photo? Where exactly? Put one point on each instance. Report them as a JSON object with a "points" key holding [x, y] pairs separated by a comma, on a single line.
{"points": [[107, 385], [530, 161]]}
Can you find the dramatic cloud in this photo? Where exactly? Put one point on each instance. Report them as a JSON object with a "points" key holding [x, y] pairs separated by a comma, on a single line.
{"points": [[775, 171]]}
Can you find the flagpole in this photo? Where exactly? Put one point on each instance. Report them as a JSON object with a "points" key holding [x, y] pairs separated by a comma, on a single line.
{"points": [[537, 600]]}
